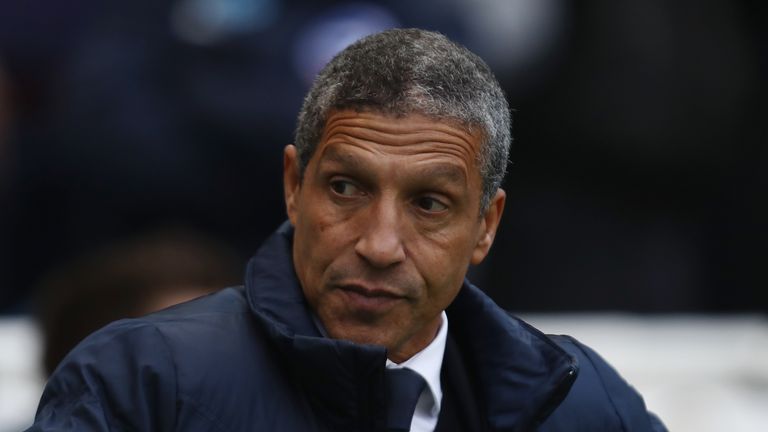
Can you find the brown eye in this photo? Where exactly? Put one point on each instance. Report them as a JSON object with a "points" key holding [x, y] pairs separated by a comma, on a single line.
{"points": [[430, 204], [344, 188]]}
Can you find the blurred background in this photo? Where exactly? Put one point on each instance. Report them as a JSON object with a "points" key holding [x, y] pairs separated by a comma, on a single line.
{"points": [[140, 165]]}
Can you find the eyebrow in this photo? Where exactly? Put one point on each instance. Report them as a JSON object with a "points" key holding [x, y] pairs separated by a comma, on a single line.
{"points": [[446, 172], [332, 154]]}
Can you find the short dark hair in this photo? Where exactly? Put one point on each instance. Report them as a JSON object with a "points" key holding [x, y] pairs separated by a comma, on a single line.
{"points": [[404, 71]]}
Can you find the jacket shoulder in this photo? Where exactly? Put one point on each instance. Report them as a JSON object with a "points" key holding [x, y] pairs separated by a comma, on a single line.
{"points": [[203, 320], [87, 391], [137, 374], [600, 399]]}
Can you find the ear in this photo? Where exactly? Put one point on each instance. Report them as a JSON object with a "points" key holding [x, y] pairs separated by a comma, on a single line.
{"points": [[291, 182], [488, 225]]}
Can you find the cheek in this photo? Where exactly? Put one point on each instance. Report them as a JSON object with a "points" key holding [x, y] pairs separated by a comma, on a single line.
{"points": [[318, 240], [443, 264]]}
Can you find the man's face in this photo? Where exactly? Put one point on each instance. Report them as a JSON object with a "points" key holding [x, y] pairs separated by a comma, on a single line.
{"points": [[386, 223]]}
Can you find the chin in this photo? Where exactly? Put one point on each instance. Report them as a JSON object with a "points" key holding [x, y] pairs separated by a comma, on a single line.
{"points": [[361, 334]]}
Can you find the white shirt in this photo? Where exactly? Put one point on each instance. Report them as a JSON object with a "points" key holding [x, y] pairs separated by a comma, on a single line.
{"points": [[428, 363]]}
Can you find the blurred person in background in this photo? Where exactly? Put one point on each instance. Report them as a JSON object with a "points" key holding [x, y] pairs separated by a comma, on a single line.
{"points": [[128, 279], [392, 191]]}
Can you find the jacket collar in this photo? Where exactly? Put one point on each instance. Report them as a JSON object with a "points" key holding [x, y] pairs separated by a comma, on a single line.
{"points": [[521, 374]]}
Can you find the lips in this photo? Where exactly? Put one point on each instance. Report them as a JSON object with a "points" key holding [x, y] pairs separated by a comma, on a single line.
{"points": [[370, 299], [370, 291]]}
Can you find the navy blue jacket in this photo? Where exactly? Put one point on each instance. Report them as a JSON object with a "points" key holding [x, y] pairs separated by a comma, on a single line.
{"points": [[251, 359]]}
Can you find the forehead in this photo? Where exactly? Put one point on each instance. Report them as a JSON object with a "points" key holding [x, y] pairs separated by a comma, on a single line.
{"points": [[415, 137]]}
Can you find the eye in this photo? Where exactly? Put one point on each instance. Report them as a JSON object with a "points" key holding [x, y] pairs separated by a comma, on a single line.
{"points": [[430, 204], [345, 188]]}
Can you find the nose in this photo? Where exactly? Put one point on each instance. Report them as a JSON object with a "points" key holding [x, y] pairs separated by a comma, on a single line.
{"points": [[381, 242]]}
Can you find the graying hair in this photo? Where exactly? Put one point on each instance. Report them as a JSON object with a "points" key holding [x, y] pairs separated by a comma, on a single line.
{"points": [[404, 71]]}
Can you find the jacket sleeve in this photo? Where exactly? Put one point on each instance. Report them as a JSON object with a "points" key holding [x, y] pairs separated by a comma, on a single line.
{"points": [[600, 399], [120, 378]]}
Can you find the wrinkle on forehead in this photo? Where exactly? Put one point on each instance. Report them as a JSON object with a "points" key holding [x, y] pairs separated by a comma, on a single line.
{"points": [[394, 124], [413, 134]]}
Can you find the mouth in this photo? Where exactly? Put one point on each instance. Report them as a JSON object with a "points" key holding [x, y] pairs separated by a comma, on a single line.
{"points": [[370, 300]]}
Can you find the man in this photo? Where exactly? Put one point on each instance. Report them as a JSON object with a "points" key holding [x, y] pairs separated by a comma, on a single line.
{"points": [[355, 316]]}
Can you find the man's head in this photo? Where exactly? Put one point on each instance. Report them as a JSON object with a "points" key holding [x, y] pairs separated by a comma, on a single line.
{"points": [[406, 71], [401, 143]]}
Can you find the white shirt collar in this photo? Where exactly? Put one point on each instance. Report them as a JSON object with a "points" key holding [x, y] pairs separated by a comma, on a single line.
{"points": [[428, 363]]}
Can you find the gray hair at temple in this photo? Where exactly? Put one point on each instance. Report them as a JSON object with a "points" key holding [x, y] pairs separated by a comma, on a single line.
{"points": [[404, 71]]}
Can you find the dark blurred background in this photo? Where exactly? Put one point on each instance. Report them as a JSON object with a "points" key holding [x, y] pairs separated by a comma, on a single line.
{"points": [[639, 168]]}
